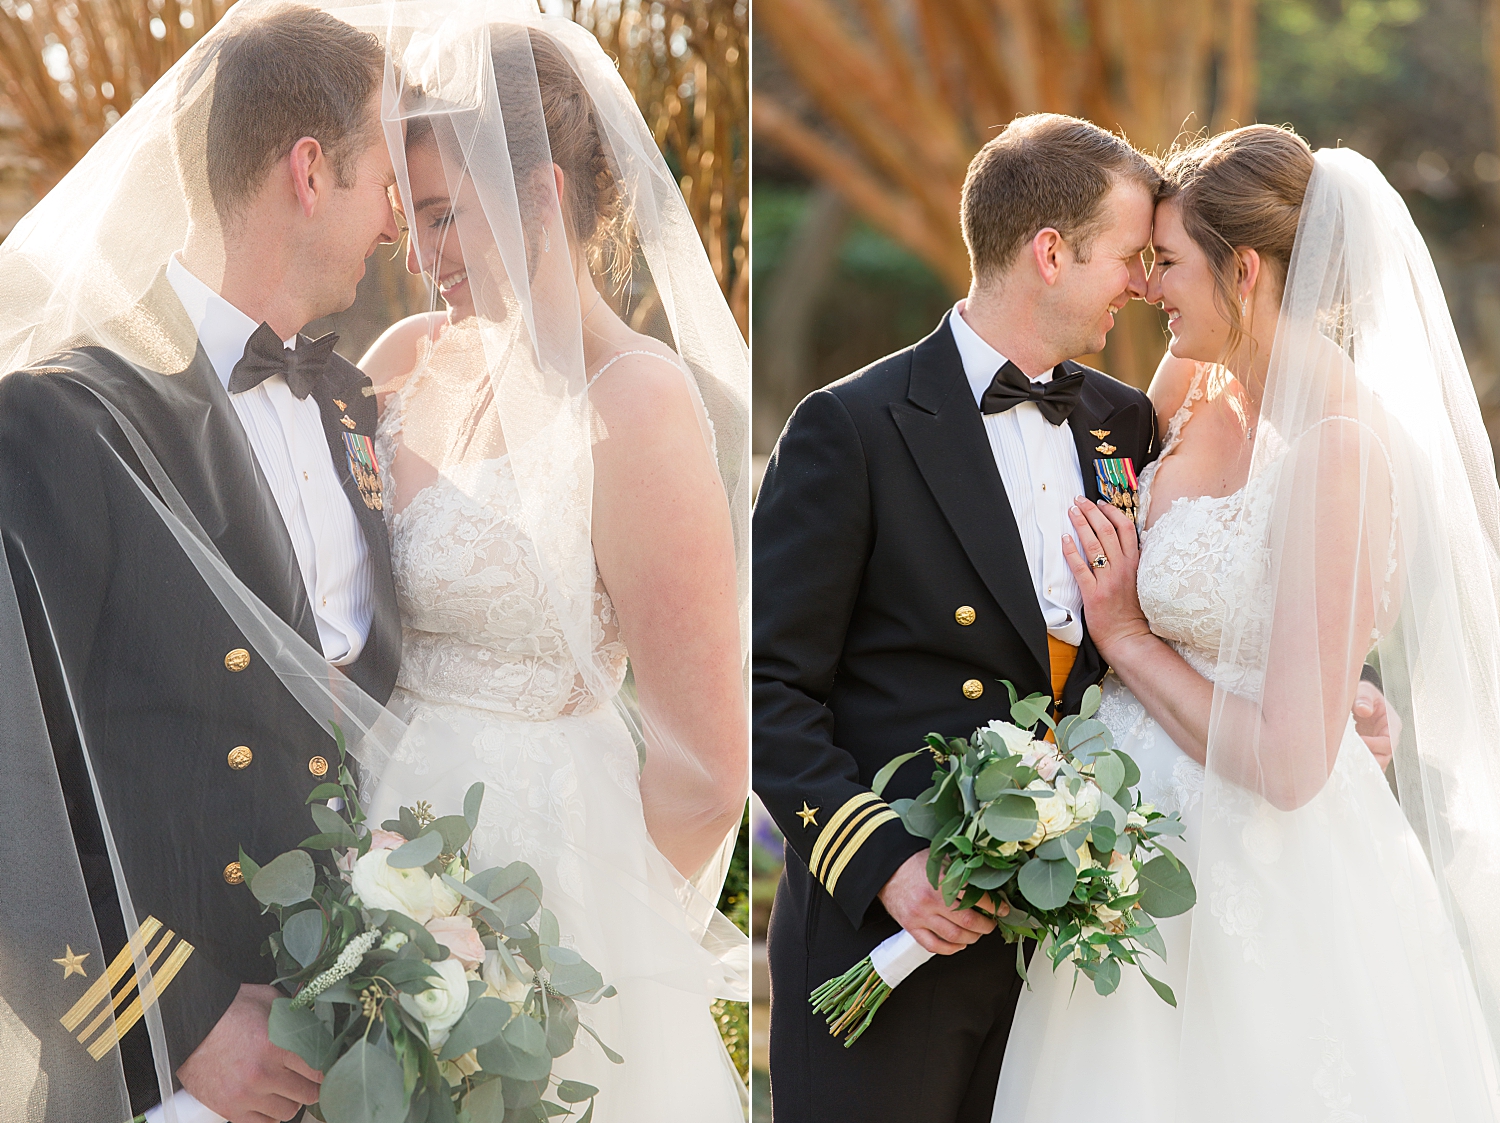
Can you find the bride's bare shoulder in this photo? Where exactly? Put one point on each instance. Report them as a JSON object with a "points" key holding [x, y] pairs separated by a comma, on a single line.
{"points": [[394, 355], [1169, 386]]}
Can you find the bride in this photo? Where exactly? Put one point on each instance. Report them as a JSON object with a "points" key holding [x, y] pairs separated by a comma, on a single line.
{"points": [[563, 513], [1325, 492]]}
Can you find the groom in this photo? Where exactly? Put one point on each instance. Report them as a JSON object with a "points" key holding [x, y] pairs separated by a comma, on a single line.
{"points": [[908, 562], [196, 747]]}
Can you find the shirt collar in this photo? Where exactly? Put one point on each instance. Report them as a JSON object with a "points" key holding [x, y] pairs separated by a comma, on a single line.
{"points": [[981, 361], [222, 329]]}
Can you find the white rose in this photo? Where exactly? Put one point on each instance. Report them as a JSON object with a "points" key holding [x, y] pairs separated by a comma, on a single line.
{"points": [[1085, 857], [1122, 869], [1086, 802], [506, 986], [379, 886], [1043, 757], [1053, 814], [1008, 848], [445, 901], [1016, 740], [441, 1007], [1107, 914], [1134, 819], [455, 1070]]}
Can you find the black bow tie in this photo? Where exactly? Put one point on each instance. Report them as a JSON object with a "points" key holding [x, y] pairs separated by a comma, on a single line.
{"points": [[1056, 399], [266, 355]]}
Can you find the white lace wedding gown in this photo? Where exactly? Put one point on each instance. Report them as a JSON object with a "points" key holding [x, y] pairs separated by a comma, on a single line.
{"points": [[1340, 998], [490, 692]]}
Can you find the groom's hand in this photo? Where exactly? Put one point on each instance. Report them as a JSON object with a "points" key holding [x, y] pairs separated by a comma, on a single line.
{"points": [[915, 905], [1378, 725], [237, 1072]]}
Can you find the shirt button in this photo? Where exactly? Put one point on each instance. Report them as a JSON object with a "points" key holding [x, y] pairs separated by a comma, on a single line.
{"points": [[304, 475]]}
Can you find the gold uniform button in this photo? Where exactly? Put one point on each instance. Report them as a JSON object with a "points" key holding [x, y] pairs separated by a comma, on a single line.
{"points": [[240, 757], [237, 660], [964, 616], [233, 874], [973, 688], [318, 766]]}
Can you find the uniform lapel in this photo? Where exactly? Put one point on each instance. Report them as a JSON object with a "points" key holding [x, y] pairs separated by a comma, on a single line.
{"points": [[1087, 421], [350, 416], [945, 434]]}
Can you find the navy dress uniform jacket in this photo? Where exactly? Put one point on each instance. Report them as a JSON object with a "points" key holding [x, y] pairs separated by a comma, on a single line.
{"points": [[890, 582]]}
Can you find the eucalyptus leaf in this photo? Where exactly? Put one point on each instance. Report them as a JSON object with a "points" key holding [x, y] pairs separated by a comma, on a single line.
{"points": [[1090, 736], [1091, 699], [1109, 772], [512, 1063], [328, 820], [517, 893], [1132, 770], [486, 1103], [249, 867], [1047, 885], [1107, 976], [418, 852], [562, 1025], [614, 1057], [988, 877], [1150, 938], [547, 930], [883, 777], [300, 1031], [286, 880], [455, 830], [996, 777], [1166, 887], [920, 819], [480, 1025], [325, 792], [473, 799], [1010, 818], [302, 935], [525, 1034], [365, 1085], [1163, 991], [575, 1091], [1053, 850]]}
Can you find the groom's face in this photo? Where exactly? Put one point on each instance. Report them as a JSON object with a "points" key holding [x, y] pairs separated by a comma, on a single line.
{"points": [[1091, 292]]}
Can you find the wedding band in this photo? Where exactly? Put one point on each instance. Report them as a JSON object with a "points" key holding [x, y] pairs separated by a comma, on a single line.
{"points": [[1100, 562]]}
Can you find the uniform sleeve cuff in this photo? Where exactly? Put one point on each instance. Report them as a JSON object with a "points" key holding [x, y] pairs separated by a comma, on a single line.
{"points": [[863, 844]]}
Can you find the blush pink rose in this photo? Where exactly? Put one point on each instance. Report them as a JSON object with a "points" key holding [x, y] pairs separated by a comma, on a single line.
{"points": [[457, 934], [385, 840]]}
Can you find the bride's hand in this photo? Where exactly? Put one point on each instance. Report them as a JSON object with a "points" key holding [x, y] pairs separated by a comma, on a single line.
{"points": [[1111, 609]]}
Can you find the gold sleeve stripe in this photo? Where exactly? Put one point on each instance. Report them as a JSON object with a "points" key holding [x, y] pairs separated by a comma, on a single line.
{"points": [[128, 989], [855, 843], [837, 838], [149, 993], [825, 836], [106, 982]]}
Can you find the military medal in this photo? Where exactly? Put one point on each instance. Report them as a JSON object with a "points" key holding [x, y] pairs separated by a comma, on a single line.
{"points": [[364, 468], [1117, 482]]}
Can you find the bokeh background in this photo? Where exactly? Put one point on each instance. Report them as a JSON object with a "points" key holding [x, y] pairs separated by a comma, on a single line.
{"points": [[69, 69], [866, 113]]}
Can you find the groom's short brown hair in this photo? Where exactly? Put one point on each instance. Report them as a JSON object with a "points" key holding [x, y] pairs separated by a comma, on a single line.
{"points": [[1044, 170], [283, 74]]}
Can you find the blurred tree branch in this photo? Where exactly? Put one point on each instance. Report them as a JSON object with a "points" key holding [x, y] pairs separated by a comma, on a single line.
{"points": [[687, 63], [72, 69], [904, 92]]}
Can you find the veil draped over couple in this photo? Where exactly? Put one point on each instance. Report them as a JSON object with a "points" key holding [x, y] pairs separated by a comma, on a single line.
{"points": [[508, 546], [1309, 582]]}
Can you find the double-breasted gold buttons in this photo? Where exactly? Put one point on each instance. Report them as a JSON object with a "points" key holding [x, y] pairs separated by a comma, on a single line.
{"points": [[233, 875], [964, 615], [973, 688], [237, 660], [240, 757], [318, 766]]}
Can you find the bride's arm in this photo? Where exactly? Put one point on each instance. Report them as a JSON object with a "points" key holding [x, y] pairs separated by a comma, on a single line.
{"points": [[1284, 747], [665, 552]]}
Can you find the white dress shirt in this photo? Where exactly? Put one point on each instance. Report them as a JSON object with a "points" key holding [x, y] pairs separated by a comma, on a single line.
{"points": [[287, 437], [1038, 464]]}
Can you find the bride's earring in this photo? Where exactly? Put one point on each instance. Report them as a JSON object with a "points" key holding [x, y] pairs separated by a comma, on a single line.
{"points": [[1244, 309], [546, 239]]}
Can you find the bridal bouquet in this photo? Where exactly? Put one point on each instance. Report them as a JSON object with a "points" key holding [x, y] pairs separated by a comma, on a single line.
{"points": [[1054, 830], [424, 992]]}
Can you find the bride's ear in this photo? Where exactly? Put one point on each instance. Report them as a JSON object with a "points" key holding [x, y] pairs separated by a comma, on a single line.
{"points": [[1247, 262]]}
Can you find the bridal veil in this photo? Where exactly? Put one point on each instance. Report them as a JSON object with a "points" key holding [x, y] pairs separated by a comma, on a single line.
{"points": [[80, 266]]}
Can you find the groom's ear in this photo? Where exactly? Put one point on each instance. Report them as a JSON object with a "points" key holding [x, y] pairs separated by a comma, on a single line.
{"points": [[1047, 250], [308, 168]]}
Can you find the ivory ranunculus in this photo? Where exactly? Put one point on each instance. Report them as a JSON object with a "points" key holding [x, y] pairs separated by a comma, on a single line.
{"points": [[445, 902], [1086, 802], [1134, 819], [457, 934], [440, 1007], [506, 986], [1008, 848], [1122, 869], [378, 886], [1053, 813]]}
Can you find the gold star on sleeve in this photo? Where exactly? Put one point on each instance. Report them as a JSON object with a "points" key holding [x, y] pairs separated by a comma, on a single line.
{"points": [[808, 815], [72, 964]]}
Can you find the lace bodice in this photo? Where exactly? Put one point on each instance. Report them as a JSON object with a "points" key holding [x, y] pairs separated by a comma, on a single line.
{"points": [[1205, 560], [478, 626]]}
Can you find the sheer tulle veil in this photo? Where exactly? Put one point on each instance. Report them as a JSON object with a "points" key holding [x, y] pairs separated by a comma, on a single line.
{"points": [[78, 267], [1374, 472]]}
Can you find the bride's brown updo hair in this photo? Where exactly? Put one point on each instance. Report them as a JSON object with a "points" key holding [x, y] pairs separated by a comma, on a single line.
{"points": [[1241, 189]]}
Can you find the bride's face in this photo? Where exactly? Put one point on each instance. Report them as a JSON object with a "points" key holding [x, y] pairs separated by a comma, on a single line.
{"points": [[1182, 283], [442, 227]]}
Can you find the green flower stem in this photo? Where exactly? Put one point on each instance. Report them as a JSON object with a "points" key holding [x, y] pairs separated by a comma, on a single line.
{"points": [[851, 997]]}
